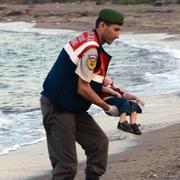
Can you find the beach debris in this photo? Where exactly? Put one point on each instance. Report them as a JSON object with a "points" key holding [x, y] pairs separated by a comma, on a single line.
{"points": [[116, 137], [15, 13], [3, 8], [162, 2], [149, 174]]}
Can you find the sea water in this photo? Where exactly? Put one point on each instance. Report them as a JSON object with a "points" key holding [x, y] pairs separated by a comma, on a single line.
{"points": [[140, 64]]}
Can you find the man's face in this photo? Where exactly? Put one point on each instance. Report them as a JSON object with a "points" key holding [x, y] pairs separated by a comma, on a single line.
{"points": [[111, 32]]}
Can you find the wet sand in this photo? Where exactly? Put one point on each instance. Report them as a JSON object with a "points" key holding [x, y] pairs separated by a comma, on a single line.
{"points": [[155, 157]]}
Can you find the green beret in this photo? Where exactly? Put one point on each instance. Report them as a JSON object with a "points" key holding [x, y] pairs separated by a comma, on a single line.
{"points": [[111, 16]]}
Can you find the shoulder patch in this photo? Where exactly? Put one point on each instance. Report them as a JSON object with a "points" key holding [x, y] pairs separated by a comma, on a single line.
{"points": [[91, 36], [91, 62]]}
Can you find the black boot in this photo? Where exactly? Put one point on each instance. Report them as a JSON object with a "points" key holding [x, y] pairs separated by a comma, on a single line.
{"points": [[92, 177]]}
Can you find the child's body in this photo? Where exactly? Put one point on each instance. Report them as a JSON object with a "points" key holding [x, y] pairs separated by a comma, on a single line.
{"points": [[121, 99]]}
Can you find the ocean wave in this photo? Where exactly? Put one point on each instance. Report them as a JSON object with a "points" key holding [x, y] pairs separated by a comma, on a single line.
{"points": [[159, 77], [4, 121], [166, 78], [29, 28], [14, 110], [153, 42], [17, 146], [7, 150], [20, 128], [175, 53]]}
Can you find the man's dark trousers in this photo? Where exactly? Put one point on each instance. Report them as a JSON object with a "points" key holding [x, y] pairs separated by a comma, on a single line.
{"points": [[63, 129]]}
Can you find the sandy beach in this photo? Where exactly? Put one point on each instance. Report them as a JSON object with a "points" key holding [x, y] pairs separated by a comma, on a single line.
{"points": [[81, 16], [155, 157], [157, 154]]}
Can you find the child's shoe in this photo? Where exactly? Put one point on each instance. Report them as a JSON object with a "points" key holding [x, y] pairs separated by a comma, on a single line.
{"points": [[125, 126], [136, 129]]}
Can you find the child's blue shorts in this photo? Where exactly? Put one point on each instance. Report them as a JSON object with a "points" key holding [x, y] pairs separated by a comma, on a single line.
{"points": [[124, 105]]}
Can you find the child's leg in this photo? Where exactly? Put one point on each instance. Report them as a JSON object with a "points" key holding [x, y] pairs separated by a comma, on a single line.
{"points": [[123, 124], [123, 106], [133, 117], [122, 117], [134, 126]]}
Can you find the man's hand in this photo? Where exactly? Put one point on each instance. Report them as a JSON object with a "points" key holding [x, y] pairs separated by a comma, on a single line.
{"points": [[113, 111]]}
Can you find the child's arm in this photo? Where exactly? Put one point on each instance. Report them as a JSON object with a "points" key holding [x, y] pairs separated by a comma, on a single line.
{"points": [[133, 97], [110, 91]]}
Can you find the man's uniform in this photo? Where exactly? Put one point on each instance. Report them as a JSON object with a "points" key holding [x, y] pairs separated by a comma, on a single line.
{"points": [[64, 111]]}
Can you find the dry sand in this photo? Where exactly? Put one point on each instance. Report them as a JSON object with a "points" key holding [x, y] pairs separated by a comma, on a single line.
{"points": [[157, 154], [138, 18]]}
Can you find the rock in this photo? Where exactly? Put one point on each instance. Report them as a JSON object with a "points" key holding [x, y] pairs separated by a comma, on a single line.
{"points": [[15, 13]]}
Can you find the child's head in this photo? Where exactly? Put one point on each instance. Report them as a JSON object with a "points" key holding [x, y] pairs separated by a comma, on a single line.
{"points": [[107, 81]]}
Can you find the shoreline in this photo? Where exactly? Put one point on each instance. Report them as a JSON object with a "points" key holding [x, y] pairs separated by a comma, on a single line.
{"points": [[147, 160]]}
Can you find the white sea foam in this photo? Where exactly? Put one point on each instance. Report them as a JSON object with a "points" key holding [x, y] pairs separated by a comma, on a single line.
{"points": [[160, 77], [4, 121], [17, 146], [163, 80], [7, 150], [152, 41], [29, 27]]}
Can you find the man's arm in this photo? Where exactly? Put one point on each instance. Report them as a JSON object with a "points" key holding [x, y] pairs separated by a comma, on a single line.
{"points": [[84, 70], [110, 91], [85, 90]]}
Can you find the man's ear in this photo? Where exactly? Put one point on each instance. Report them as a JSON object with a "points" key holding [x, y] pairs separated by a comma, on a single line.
{"points": [[102, 24]]}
